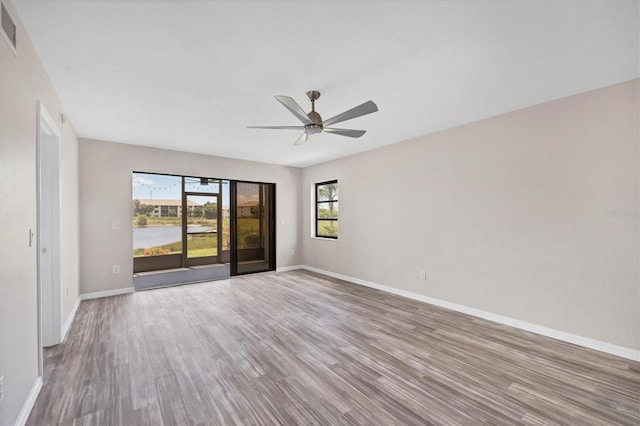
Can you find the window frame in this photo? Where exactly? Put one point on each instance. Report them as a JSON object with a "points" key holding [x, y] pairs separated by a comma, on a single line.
{"points": [[316, 207]]}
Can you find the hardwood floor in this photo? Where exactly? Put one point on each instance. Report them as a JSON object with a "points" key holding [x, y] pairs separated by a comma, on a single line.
{"points": [[300, 348]]}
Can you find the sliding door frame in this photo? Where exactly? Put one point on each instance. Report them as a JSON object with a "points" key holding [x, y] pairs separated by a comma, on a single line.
{"points": [[233, 223], [207, 260]]}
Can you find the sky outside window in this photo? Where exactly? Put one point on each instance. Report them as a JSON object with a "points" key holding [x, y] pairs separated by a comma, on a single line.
{"points": [[147, 186]]}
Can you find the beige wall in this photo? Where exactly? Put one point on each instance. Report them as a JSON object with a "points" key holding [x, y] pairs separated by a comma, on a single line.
{"points": [[509, 215], [23, 81], [105, 196]]}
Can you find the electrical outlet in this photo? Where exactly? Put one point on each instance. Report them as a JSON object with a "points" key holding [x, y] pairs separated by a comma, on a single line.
{"points": [[116, 269], [1, 387], [423, 275]]}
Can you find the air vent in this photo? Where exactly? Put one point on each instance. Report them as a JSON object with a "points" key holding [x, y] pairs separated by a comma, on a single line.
{"points": [[9, 30]]}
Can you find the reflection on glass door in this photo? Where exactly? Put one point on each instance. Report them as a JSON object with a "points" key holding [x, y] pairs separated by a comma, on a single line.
{"points": [[253, 211]]}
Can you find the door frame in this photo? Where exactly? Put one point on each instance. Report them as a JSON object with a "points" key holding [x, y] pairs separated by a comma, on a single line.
{"points": [[49, 292], [208, 260]]}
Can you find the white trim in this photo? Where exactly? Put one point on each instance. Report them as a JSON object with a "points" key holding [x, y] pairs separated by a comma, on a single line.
{"points": [[44, 115], [107, 293], [67, 323], [29, 403], [586, 342], [289, 268], [50, 296]]}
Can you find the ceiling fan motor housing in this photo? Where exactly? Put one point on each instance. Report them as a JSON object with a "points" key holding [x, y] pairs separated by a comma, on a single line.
{"points": [[316, 127]]}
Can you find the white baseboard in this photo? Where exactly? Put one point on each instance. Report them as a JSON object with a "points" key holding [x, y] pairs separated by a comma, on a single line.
{"points": [[289, 268], [107, 293], [29, 403], [67, 323], [586, 342]]}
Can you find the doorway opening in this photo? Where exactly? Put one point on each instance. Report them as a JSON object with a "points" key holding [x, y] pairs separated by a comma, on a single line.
{"points": [[185, 228]]}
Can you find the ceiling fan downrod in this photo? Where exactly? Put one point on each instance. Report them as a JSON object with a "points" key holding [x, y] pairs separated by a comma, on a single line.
{"points": [[316, 126]]}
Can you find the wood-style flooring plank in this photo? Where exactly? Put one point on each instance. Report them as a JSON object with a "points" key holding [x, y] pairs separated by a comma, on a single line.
{"points": [[301, 348]]}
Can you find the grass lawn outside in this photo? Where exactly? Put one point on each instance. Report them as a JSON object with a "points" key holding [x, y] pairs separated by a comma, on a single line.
{"points": [[175, 221], [203, 244]]}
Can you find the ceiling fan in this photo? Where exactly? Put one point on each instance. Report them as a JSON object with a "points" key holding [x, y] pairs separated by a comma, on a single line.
{"points": [[312, 121]]}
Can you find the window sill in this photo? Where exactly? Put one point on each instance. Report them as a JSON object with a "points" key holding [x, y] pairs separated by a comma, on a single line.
{"points": [[324, 239]]}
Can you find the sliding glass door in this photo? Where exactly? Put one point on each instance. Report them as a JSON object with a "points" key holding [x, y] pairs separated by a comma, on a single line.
{"points": [[182, 222], [253, 227]]}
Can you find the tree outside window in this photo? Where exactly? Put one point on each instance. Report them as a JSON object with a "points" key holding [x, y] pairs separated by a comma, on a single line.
{"points": [[327, 209]]}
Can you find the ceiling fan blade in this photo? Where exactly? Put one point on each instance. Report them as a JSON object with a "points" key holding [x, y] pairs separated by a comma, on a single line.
{"points": [[364, 109], [302, 139], [295, 109], [277, 127], [346, 132]]}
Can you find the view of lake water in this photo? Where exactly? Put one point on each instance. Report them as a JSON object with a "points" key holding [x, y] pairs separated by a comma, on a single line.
{"points": [[154, 236]]}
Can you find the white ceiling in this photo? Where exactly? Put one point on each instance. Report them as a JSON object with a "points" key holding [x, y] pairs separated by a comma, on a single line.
{"points": [[191, 75]]}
